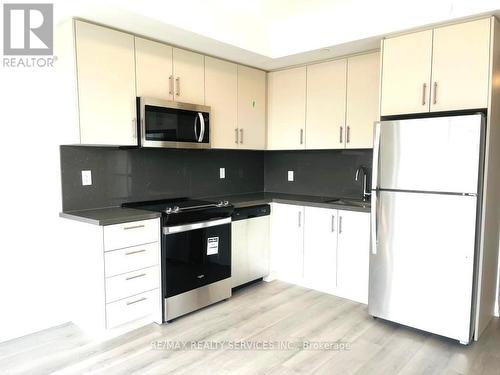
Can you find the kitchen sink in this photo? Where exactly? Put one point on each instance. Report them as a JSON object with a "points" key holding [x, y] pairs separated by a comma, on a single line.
{"points": [[349, 202]]}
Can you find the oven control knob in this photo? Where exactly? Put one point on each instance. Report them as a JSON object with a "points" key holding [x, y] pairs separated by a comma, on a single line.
{"points": [[172, 210]]}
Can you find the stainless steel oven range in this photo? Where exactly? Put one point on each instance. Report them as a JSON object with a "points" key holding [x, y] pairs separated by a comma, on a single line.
{"points": [[196, 253]]}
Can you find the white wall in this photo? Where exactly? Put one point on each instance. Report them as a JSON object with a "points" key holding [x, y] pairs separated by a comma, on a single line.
{"points": [[33, 259]]}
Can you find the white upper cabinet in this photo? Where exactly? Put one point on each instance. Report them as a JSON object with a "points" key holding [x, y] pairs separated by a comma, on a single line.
{"points": [[436, 70], [460, 66], [406, 71], [106, 85], [251, 108], [189, 76], [153, 63], [221, 89], [326, 104], [362, 108], [169, 73], [287, 109]]}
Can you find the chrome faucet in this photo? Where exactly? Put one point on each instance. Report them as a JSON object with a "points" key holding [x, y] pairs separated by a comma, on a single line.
{"points": [[366, 193]]}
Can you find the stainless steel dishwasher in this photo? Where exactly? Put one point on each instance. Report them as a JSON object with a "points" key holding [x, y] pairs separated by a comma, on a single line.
{"points": [[250, 244]]}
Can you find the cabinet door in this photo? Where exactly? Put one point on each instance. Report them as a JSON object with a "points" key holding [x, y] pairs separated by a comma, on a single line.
{"points": [[320, 249], [106, 85], [326, 98], [353, 255], [252, 108], [221, 90], [287, 234], [153, 69], [286, 109], [189, 76], [257, 247], [362, 110], [406, 73], [460, 66], [239, 264]]}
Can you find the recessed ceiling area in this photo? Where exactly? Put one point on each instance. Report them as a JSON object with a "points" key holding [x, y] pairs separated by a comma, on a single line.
{"points": [[271, 34]]}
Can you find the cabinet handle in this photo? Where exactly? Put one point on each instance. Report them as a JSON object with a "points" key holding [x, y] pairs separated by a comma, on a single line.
{"points": [[348, 134], [178, 84], [424, 93], [301, 136], [134, 227], [241, 135], [333, 223], [435, 93], [341, 133], [135, 277], [300, 219], [135, 252], [236, 135], [340, 224], [137, 301], [171, 85]]}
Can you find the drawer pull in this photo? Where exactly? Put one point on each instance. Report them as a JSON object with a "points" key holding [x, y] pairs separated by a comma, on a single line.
{"points": [[136, 252], [134, 227], [137, 301], [135, 277], [200, 276]]}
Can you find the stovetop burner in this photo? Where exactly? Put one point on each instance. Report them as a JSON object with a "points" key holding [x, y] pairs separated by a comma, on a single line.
{"points": [[185, 210]]}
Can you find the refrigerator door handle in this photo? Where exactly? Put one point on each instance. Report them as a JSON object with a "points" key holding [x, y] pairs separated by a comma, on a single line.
{"points": [[376, 152], [373, 222]]}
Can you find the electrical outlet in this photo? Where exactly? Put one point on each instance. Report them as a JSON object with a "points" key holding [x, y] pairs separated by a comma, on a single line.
{"points": [[290, 175], [222, 173], [86, 178]]}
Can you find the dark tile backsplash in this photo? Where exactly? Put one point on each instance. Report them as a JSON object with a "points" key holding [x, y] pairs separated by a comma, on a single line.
{"points": [[124, 175], [327, 173]]}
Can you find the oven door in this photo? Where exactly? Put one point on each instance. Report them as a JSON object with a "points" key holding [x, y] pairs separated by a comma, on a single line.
{"points": [[194, 255], [171, 124]]}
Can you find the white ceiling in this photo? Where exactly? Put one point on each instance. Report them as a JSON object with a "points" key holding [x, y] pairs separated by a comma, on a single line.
{"points": [[272, 34]]}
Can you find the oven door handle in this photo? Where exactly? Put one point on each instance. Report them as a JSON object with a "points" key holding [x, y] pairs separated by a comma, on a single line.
{"points": [[194, 226]]}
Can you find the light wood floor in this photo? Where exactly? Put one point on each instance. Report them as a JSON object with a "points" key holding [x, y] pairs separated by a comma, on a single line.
{"points": [[260, 313]]}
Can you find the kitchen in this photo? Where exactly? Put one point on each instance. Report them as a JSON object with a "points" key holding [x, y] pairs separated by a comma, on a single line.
{"points": [[196, 187]]}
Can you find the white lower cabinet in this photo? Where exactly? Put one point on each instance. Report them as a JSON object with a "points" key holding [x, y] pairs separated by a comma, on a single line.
{"points": [[250, 250], [116, 274], [287, 242], [321, 248], [353, 255], [131, 308]]}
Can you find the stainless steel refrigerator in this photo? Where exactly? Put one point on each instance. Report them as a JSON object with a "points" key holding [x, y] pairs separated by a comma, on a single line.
{"points": [[426, 184]]}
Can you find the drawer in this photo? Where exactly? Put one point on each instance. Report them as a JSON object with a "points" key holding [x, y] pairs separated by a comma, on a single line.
{"points": [[132, 283], [132, 308], [130, 259], [130, 234]]}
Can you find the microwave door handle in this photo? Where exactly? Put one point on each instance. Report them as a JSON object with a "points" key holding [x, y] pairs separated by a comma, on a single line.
{"points": [[202, 122], [196, 128]]}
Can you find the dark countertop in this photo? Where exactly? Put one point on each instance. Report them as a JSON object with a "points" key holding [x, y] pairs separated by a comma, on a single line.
{"points": [[109, 215], [117, 215], [252, 199]]}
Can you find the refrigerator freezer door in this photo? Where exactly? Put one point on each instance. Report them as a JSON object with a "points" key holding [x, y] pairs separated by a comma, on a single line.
{"points": [[433, 154], [421, 274]]}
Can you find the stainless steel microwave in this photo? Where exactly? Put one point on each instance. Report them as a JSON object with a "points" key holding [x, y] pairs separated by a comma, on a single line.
{"points": [[169, 124]]}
